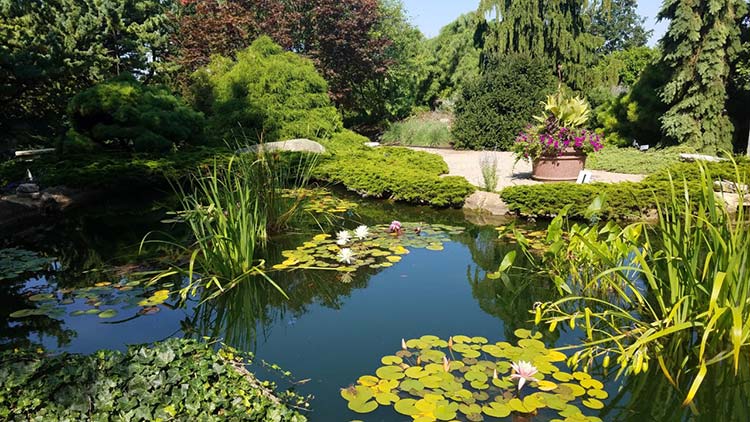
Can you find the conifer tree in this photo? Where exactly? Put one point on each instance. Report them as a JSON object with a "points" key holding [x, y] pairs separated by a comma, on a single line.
{"points": [[699, 46], [554, 30]]}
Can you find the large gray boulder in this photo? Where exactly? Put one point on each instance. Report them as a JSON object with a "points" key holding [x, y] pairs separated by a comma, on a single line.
{"points": [[292, 145]]}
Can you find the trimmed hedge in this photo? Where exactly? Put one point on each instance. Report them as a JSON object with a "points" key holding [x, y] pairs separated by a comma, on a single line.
{"points": [[396, 173], [622, 200]]}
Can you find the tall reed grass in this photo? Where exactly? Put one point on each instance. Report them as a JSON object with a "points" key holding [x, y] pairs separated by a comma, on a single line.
{"points": [[231, 211], [673, 296]]}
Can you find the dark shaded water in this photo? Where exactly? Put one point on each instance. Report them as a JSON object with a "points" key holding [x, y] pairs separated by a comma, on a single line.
{"points": [[329, 331]]}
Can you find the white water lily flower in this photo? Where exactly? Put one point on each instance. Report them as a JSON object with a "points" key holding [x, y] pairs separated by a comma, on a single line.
{"points": [[523, 372], [345, 256], [343, 237], [361, 232]]}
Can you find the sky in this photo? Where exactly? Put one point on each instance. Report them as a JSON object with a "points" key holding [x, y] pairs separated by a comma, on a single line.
{"points": [[431, 15]]}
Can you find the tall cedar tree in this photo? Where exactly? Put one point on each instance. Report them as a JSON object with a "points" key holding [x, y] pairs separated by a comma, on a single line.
{"points": [[620, 25], [338, 35], [554, 30], [699, 46]]}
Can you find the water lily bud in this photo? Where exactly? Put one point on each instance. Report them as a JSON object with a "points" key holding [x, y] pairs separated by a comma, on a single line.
{"points": [[419, 360], [538, 315], [450, 343], [494, 374], [403, 344], [446, 364]]}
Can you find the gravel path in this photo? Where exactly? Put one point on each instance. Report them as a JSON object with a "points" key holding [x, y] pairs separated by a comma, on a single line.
{"points": [[466, 164]]}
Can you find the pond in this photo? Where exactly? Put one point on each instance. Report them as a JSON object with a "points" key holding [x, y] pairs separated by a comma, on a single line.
{"points": [[333, 328]]}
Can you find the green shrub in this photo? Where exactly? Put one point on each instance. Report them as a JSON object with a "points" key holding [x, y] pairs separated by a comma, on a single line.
{"points": [[266, 93], [496, 106], [173, 380], [626, 200], [395, 173], [418, 132], [691, 171], [127, 114]]}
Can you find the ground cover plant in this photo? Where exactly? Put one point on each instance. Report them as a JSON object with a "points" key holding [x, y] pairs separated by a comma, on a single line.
{"points": [[633, 161], [391, 173], [672, 296], [175, 379]]}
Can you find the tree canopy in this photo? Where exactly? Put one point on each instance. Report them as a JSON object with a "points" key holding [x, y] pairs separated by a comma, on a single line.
{"points": [[619, 24]]}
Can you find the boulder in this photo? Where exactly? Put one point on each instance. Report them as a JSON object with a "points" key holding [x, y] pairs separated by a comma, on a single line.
{"points": [[292, 145], [690, 158]]}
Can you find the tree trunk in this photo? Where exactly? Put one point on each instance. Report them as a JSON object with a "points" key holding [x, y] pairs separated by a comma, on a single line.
{"points": [[748, 143]]}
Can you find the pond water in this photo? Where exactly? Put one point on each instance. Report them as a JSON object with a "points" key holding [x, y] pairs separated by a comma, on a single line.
{"points": [[331, 330]]}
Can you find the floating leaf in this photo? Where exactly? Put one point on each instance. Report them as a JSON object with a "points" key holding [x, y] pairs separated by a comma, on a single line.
{"points": [[593, 404], [363, 407], [23, 313], [109, 313]]}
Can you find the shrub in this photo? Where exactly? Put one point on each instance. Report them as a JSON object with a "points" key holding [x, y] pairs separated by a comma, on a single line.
{"points": [[496, 106], [395, 173], [127, 114], [265, 93]]}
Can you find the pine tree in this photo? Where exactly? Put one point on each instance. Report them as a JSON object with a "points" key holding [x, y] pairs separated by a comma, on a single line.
{"points": [[555, 30], [699, 46]]}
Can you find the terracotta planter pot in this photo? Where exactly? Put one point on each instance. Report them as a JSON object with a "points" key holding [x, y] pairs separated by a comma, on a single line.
{"points": [[564, 168]]}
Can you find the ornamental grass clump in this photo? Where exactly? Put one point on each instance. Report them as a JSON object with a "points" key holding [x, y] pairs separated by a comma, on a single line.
{"points": [[673, 297], [560, 129]]}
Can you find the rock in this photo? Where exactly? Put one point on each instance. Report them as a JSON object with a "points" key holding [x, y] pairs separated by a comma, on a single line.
{"points": [[730, 187], [29, 190], [372, 144], [486, 203], [690, 158], [292, 145]]}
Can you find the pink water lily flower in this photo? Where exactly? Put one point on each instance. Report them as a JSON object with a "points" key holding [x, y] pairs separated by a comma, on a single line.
{"points": [[395, 227], [523, 372]]}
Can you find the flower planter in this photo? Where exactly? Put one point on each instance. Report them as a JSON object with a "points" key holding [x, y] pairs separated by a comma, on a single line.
{"points": [[563, 168]]}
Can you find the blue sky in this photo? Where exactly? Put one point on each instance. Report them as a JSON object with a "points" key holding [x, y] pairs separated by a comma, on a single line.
{"points": [[431, 15]]}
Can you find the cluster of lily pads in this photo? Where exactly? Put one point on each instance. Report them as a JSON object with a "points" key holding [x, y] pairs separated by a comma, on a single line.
{"points": [[14, 262], [372, 247], [534, 238], [320, 201], [103, 300], [470, 379]]}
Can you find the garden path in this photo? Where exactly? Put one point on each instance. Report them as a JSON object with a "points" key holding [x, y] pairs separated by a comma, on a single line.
{"points": [[510, 173]]}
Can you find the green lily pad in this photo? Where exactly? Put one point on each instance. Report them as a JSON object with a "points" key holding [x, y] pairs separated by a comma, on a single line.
{"points": [[109, 313]]}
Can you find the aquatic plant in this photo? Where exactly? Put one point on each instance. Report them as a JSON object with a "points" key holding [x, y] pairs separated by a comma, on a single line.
{"points": [[469, 378], [231, 212], [14, 262], [372, 247], [674, 295]]}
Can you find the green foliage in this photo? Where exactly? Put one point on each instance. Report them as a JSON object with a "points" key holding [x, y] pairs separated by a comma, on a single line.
{"points": [[419, 131], [699, 47], [567, 111], [266, 94], [393, 93], [618, 22], [396, 173], [175, 379], [53, 49], [635, 115], [494, 108], [467, 378], [125, 113], [676, 293], [553, 30], [456, 55], [488, 165], [633, 161], [624, 68], [14, 262], [232, 211], [112, 170]]}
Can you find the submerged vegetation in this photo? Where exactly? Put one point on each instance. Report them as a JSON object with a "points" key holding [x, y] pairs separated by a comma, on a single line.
{"points": [[672, 296]]}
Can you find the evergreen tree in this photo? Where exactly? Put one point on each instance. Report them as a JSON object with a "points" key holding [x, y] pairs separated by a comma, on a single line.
{"points": [[699, 46], [620, 25], [555, 30]]}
